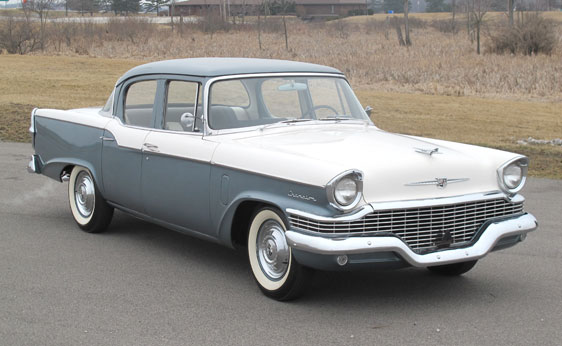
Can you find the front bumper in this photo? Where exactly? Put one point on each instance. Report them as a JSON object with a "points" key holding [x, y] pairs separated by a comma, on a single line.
{"points": [[488, 237]]}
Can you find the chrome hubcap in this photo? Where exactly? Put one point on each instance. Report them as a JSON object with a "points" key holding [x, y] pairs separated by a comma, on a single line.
{"points": [[84, 194], [272, 250]]}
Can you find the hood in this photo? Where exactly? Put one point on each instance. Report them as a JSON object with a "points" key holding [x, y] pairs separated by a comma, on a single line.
{"points": [[392, 166]]}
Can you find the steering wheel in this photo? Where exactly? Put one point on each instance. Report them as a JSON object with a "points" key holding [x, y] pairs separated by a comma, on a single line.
{"points": [[315, 108]]}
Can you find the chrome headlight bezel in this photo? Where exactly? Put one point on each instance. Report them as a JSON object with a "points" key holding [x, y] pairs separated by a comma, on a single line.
{"points": [[523, 163], [331, 189]]}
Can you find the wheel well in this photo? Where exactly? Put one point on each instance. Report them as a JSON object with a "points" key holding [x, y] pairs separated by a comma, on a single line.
{"points": [[66, 171], [241, 221]]}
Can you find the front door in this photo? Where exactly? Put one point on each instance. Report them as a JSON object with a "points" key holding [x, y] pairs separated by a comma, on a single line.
{"points": [[177, 161]]}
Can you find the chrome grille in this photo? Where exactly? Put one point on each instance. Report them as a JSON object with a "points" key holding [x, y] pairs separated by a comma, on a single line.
{"points": [[419, 227]]}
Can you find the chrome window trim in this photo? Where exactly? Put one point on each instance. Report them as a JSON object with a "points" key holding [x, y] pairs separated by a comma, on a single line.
{"points": [[199, 85], [209, 131], [109, 112], [431, 202], [199, 134]]}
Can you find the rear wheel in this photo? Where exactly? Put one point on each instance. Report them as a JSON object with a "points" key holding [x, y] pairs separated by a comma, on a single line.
{"points": [[454, 269], [275, 270], [90, 211]]}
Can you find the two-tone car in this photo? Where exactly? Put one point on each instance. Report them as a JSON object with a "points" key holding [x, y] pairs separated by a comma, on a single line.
{"points": [[280, 158]]}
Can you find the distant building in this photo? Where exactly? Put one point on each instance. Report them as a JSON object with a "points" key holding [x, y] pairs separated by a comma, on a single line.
{"points": [[330, 8], [302, 8], [204, 7]]}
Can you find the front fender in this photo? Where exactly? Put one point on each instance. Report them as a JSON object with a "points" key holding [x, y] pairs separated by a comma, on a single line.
{"points": [[278, 200]]}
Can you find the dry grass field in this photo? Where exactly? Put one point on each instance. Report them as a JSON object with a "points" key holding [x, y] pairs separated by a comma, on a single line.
{"points": [[362, 47], [70, 82]]}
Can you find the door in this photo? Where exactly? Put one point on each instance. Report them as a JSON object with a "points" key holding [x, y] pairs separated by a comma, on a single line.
{"points": [[123, 143], [176, 161]]}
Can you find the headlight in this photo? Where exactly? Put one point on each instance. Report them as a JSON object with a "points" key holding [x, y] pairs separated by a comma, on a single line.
{"points": [[512, 175], [345, 190]]}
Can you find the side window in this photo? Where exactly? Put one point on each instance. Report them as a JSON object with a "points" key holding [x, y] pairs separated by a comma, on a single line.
{"points": [[281, 97], [230, 93], [181, 100], [139, 103]]}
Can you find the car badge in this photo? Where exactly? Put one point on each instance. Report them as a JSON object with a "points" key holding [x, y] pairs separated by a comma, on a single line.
{"points": [[301, 196], [444, 240], [439, 182], [429, 152]]}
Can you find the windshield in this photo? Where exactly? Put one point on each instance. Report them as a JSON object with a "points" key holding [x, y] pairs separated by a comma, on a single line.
{"points": [[236, 103]]}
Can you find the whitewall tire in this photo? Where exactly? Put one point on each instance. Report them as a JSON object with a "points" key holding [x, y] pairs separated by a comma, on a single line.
{"points": [[90, 211], [275, 270]]}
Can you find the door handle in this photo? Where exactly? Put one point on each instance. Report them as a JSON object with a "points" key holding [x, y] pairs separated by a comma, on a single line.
{"points": [[108, 139], [151, 147]]}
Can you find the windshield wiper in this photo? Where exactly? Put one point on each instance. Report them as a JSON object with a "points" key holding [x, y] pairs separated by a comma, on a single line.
{"points": [[291, 121], [288, 121], [338, 118]]}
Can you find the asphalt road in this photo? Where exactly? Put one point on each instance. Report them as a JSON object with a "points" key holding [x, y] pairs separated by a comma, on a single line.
{"points": [[139, 284]]}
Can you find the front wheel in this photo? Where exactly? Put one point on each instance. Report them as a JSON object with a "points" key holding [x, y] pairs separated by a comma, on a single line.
{"points": [[454, 269], [277, 273], [90, 211]]}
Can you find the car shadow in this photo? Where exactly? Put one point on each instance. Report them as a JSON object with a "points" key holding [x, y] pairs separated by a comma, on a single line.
{"points": [[414, 286]]}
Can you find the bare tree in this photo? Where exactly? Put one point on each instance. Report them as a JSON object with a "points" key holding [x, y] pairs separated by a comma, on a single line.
{"points": [[406, 24], [259, 28], [17, 36], [42, 8], [510, 4], [479, 10], [453, 10], [172, 10], [151, 5], [285, 6]]}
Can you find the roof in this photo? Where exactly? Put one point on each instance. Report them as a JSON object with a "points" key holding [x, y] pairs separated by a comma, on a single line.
{"points": [[259, 2], [213, 67]]}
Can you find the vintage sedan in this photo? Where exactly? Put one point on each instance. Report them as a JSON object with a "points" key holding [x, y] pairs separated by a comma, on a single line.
{"points": [[280, 158]]}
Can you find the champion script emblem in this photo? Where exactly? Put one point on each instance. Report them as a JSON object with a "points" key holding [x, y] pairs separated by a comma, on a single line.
{"points": [[303, 197]]}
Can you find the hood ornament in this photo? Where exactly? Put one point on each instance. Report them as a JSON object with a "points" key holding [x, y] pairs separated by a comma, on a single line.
{"points": [[429, 152], [439, 182]]}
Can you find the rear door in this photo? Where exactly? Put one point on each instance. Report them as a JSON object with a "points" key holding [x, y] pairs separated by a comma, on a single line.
{"points": [[123, 142]]}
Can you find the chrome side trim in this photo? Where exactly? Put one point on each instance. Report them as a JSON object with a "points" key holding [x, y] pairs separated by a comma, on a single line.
{"points": [[356, 215], [359, 245], [34, 166], [32, 129], [440, 182]]}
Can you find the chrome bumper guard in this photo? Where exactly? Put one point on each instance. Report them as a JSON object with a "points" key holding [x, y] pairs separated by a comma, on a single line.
{"points": [[489, 237], [34, 166]]}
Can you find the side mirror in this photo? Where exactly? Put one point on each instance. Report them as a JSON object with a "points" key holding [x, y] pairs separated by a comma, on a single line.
{"points": [[368, 110], [187, 120]]}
